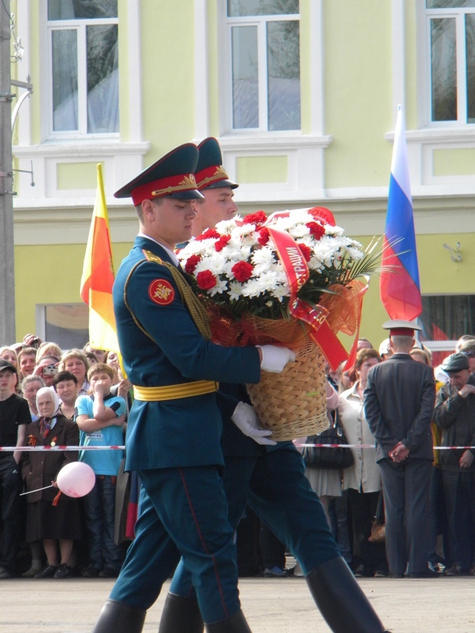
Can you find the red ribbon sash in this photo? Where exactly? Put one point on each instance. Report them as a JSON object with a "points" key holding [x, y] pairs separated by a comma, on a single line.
{"points": [[296, 269]]}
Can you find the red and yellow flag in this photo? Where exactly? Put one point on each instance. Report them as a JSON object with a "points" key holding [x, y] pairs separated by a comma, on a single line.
{"points": [[98, 276]]}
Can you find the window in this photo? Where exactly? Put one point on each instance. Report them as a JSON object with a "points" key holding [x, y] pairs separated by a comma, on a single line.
{"points": [[66, 324], [83, 53], [444, 319], [451, 25], [264, 41]]}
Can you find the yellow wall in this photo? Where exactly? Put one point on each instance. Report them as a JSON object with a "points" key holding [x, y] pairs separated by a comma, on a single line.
{"points": [[49, 274], [357, 92], [168, 72]]}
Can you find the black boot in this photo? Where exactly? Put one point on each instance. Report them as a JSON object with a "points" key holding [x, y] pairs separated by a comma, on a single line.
{"points": [[341, 600], [180, 615], [235, 624], [118, 617]]}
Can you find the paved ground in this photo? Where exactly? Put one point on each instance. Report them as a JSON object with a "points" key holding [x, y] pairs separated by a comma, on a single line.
{"points": [[271, 605]]}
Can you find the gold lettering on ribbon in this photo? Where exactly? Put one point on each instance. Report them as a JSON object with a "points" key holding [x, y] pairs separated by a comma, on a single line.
{"points": [[298, 264]]}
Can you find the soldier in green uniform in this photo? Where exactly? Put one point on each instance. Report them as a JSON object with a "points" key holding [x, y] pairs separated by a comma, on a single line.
{"points": [[174, 427], [267, 476]]}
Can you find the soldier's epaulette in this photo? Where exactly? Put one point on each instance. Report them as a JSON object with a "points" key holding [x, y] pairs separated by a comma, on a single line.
{"points": [[149, 256]]}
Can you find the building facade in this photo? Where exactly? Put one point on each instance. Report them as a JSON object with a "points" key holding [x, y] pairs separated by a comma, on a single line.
{"points": [[302, 95]]}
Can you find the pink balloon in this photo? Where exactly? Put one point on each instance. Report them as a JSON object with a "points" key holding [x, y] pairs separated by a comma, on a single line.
{"points": [[76, 479]]}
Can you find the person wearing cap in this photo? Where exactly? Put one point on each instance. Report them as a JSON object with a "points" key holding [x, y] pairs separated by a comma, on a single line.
{"points": [[385, 350], [269, 476], [468, 348], [14, 417], [399, 403], [174, 427], [455, 415]]}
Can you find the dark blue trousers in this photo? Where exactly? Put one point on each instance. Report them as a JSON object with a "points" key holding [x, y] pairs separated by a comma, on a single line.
{"points": [[406, 489], [182, 511], [275, 487]]}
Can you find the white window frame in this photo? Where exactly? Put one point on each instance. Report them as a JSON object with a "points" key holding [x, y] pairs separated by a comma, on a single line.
{"points": [[121, 156], [79, 25], [458, 14], [259, 21], [305, 150]]}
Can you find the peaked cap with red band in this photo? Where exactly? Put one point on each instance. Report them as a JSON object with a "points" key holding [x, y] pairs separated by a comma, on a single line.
{"points": [[209, 171], [172, 176], [399, 327]]}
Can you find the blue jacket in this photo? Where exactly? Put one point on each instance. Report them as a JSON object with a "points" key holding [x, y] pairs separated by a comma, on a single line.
{"points": [[162, 346]]}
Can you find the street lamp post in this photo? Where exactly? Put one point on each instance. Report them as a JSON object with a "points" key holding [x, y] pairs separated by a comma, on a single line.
{"points": [[7, 277]]}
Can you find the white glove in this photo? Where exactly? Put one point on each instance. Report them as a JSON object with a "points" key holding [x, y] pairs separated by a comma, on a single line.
{"points": [[274, 359], [245, 418]]}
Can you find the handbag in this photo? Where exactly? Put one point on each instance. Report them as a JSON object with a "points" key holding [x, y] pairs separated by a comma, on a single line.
{"points": [[378, 529], [335, 458]]}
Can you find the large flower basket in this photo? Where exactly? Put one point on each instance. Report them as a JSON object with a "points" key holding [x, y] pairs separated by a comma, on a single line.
{"points": [[290, 280], [293, 403]]}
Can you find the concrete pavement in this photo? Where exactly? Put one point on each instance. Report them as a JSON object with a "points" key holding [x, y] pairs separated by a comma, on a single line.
{"points": [[271, 605]]}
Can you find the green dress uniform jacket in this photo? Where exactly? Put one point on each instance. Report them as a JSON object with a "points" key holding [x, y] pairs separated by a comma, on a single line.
{"points": [[162, 346]]}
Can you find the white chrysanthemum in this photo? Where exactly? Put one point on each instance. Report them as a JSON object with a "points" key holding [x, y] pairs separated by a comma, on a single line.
{"points": [[227, 226], [269, 279], [280, 291], [252, 288], [221, 286], [243, 230], [233, 249], [192, 248], [355, 253], [235, 290], [315, 264], [263, 256], [299, 231], [325, 250], [245, 251], [333, 230], [215, 263]]}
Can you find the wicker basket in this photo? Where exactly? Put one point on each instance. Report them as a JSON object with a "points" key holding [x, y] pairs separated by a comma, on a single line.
{"points": [[293, 403]]}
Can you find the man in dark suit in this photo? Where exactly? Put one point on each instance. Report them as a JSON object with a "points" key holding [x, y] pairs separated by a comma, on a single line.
{"points": [[174, 427], [399, 403]]}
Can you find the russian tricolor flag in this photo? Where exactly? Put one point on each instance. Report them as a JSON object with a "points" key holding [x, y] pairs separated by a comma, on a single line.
{"points": [[399, 281]]}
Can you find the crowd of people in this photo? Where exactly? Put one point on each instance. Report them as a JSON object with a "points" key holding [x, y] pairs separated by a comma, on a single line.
{"points": [[444, 530], [50, 398], [75, 537]]}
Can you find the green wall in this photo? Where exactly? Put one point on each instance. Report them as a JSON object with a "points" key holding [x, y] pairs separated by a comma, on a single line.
{"points": [[358, 91], [49, 274], [52, 274]]}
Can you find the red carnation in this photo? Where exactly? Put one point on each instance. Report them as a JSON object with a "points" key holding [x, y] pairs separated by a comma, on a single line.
{"points": [[191, 263], [209, 233], [316, 229], [255, 218], [242, 271], [306, 251], [263, 236], [206, 280], [221, 243]]}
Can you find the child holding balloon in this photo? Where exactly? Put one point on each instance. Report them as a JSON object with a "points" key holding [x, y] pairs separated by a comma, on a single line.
{"points": [[52, 517]]}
